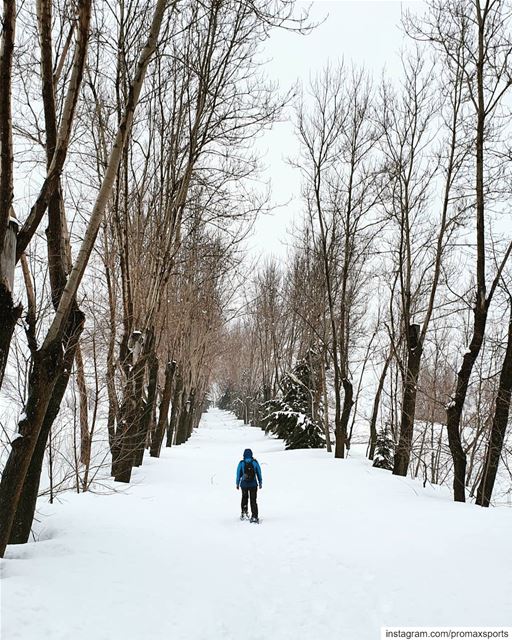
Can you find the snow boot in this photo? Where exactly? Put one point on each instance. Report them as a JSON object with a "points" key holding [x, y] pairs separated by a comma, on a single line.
{"points": [[255, 519], [244, 516]]}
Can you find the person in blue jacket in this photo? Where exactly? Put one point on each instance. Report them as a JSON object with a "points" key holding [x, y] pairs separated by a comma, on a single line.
{"points": [[248, 478]]}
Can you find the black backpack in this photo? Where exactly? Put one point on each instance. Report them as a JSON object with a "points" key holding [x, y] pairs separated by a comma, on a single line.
{"points": [[249, 473]]}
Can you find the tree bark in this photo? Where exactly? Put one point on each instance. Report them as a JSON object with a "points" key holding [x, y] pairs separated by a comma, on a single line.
{"points": [[325, 398], [498, 428], [348, 394], [113, 404], [46, 367], [454, 409], [403, 449], [147, 412], [10, 314], [26, 508], [8, 26], [85, 436], [177, 401], [191, 415], [158, 434], [182, 426], [127, 430]]}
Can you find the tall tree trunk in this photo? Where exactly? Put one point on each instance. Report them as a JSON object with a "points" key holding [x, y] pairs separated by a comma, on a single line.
{"points": [[499, 426], [87, 466], [8, 26], [182, 426], [339, 448], [325, 399], [348, 402], [127, 430], [376, 406], [339, 440], [9, 312], [113, 405], [26, 508], [147, 413], [45, 371], [157, 435], [177, 401], [85, 436], [454, 409], [191, 415], [404, 446]]}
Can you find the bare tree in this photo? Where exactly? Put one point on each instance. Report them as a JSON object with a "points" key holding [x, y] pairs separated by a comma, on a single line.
{"points": [[337, 137], [474, 41], [48, 360], [499, 425]]}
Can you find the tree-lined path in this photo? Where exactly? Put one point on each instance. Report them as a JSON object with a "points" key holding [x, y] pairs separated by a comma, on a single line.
{"points": [[167, 558]]}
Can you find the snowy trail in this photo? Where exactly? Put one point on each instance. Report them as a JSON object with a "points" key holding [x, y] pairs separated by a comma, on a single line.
{"points": [[343, 549]]}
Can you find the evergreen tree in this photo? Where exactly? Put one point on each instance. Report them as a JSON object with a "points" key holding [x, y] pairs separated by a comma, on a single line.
{"points": [[294, 417], [384, 450]]}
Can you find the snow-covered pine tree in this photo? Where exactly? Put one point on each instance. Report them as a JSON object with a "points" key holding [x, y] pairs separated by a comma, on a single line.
{"points": [[384, 450], [294, 417]]}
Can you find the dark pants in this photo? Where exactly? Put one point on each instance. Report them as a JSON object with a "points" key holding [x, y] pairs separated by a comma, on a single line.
{"points": [[245, 499]]}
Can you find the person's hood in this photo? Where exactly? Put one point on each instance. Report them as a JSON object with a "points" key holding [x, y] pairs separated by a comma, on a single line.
{"points": [[247, 454]]}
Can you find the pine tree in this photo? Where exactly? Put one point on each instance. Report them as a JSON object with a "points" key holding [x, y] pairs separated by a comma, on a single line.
{"points": [[291, 417], [384, 450]]}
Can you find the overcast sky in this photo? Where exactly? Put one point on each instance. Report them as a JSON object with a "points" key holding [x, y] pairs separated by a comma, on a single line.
{"points": [[366, 32]]}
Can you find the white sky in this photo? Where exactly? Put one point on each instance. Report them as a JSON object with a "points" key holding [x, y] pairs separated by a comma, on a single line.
{"points": [[364, 31]]}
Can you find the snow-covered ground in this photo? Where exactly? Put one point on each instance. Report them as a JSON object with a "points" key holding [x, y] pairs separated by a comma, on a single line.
{"points": [[342, 550]]}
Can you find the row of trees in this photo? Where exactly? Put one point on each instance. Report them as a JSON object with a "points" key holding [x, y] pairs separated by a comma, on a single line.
{"points": [[400, 275], [132, 122]]}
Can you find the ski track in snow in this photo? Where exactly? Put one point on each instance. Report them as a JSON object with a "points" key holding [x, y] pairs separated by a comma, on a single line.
{"points": [[343, 549]]}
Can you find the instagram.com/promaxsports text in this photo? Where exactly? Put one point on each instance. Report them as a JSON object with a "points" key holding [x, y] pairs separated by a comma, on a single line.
{"points": [[452, 633]]}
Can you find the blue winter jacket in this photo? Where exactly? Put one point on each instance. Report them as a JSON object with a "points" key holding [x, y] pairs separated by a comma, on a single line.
{"points": [[245, 484]]}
